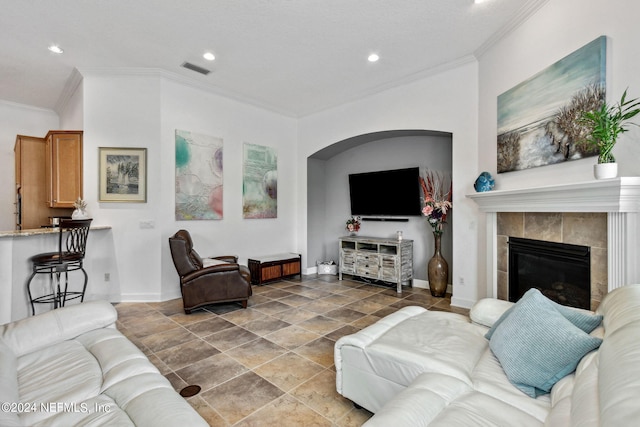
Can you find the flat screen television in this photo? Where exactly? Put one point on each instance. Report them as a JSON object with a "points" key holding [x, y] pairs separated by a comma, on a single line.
{"points": [[386, 193]]}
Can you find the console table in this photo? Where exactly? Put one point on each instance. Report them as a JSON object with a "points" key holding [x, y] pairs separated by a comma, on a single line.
{"points": [[273, 267], [389, 260]]}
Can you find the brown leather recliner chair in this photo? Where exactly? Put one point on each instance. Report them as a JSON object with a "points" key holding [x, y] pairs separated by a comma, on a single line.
{"points": [[224, 282]]}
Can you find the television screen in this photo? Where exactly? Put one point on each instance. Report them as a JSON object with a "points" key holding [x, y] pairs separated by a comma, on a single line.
{"points": [[386, 193]]}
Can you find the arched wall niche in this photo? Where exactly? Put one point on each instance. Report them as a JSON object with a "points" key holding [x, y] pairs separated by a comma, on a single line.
{"points": [[328, 204]]}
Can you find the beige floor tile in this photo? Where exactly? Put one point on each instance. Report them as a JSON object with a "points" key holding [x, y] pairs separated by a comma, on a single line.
{"points": [[321, 325], [230, 338], [344, 314], [272, 363], [166, 339], [207, 412], [209, 326], [288, 371], [320, 306], [295, 300], [319, 351], [292, 337], [354, 418], [295, 315], [272, 307], [240, 317], [256, 352], [339, 300], [265, 326], [363, 322], [275, 293], [341, 332], [319, 393], [187, 319], [212, 371], [187, 353], [241, 396], [285, 411]]}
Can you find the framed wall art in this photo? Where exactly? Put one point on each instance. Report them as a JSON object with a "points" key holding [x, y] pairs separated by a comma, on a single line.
{"points": [[122, 174], [538, 120], [259, 182], [199, 176]]}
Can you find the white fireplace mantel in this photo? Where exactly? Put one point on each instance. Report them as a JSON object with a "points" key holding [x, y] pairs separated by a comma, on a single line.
{"points": [[606, 195], [618, 197]]}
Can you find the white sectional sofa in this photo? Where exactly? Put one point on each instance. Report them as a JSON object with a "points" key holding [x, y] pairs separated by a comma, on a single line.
{"points": [[71, 367], [426, 368]]}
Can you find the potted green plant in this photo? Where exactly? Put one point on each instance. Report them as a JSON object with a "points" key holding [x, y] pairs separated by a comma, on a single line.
{"points": [[604, 127]]}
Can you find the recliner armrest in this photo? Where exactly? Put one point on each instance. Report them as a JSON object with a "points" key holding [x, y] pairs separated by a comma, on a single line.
{"points": [[486, 311], [227, 258], [220, 268], [33, 333]]}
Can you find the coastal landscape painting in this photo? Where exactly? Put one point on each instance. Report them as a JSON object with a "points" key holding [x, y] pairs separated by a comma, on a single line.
{"points": [[538, 120]]}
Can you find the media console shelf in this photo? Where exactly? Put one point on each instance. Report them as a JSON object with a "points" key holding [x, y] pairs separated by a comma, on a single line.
{"points": [[388, 260]]}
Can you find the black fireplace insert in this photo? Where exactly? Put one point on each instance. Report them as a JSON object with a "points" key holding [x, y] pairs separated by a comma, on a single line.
{"points": [[561, 271]]}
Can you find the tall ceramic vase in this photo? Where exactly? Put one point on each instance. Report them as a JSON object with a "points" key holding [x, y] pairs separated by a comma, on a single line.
{"points": [[438, 271]]}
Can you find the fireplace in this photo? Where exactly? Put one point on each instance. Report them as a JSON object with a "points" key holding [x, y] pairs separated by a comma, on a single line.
{"points": [[561, 271]]}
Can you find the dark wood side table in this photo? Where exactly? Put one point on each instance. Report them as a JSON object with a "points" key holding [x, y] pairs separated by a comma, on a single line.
{"points": [[273, 267]]}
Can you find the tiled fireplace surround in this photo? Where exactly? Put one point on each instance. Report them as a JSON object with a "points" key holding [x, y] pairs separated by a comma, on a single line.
{"points": [[604, 215], [586, 229]]}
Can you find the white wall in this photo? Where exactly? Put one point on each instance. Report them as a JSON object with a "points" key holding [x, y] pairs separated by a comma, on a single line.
{"points": [[191, 109], [72, 116], [144, 111], [426, 152], [556, 30], [17, 119], [444, 102]]}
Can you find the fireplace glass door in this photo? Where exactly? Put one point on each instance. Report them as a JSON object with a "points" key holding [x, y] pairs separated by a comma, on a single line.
{"points": [[562, 272]]}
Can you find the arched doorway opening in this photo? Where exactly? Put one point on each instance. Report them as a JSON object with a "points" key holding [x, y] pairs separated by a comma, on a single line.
{"points": [[328, 205]]}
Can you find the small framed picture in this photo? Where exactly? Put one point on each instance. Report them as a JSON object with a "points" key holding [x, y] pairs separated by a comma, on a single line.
{"points": [[123, 175]]}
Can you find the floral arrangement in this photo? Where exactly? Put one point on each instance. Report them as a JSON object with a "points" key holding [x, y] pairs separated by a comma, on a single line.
{"points": [[353, 224], [436, 188], [80, 204]]}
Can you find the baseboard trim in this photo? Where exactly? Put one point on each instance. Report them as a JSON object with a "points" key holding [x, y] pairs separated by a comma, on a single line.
{"points": [[141, 297]]}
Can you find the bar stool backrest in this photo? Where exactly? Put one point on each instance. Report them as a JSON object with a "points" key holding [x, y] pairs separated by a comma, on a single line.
{"points": [[77, 231]]}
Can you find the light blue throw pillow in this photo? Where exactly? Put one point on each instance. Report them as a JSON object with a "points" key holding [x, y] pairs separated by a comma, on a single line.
{"points": [[537, 346], [585, 321]]}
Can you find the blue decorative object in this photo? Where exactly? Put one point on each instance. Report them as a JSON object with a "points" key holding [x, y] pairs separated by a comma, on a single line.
{"points": [[484, 182]]}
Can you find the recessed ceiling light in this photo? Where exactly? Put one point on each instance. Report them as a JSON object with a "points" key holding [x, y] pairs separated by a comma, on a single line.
{"points": [[209, 56], [373, 57], [55, 48]]}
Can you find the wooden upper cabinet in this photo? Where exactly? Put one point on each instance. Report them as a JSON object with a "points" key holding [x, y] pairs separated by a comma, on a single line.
{"points": [[63, 168], [30, 153]]}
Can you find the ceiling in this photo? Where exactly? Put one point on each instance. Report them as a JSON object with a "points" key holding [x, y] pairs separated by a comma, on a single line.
{"points": [[295, 57]]}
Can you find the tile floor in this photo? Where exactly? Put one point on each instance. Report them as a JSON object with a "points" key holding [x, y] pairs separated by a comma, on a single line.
{"points": [[272, 363]]}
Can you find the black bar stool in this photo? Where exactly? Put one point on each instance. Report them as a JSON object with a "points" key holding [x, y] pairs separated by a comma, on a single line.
{"points": [[68, 258]]}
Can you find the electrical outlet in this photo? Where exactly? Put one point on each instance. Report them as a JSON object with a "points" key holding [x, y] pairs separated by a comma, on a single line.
{"points": [[107, 277], [461, 281]]}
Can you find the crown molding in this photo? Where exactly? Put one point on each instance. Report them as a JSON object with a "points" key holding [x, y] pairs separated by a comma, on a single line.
{"points": [[17, 105], [529, 9], [69, 89], [186, 81], [408, 79]]}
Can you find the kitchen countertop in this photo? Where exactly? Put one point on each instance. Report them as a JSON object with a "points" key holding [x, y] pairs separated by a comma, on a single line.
{"points": [[43, 230]]}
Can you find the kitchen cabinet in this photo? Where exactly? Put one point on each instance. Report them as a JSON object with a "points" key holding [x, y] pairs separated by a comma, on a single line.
{"points": [[31, 209], [63, 168]]}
